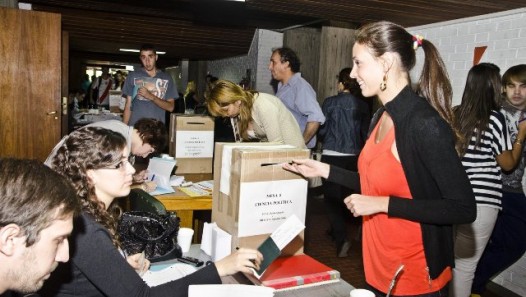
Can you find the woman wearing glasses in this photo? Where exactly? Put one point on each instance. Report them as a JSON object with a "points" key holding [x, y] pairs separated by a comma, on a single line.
{"points": [[96, 162], [256, 116]]}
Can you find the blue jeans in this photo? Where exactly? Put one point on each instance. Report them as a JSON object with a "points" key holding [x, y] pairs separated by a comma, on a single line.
{"points": [[507, 243]]}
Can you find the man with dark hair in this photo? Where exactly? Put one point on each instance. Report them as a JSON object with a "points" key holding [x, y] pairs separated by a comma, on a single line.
{"points": [[145, 137], [149, 91], [37, 206], [296, 93]]}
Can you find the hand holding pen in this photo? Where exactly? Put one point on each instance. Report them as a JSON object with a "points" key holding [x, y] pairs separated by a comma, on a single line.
{"points": [[139, 263]]}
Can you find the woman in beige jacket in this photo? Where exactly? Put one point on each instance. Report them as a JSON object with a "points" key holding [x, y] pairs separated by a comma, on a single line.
{"points": [[255, 116]]}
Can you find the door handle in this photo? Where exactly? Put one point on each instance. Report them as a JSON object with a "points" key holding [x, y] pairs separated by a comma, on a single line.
{"points": [[52, 112]]}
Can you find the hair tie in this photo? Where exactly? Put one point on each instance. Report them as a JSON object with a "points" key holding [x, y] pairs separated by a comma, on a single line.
{"points": [[417, 41]]}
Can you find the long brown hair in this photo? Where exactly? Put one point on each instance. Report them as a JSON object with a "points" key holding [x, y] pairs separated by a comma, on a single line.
{"points": [[91, 148], [481, 96], [433, 85]]}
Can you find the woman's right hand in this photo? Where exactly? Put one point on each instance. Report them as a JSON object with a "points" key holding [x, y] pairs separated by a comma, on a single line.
{"points": [[240, 261], [308, 168]]}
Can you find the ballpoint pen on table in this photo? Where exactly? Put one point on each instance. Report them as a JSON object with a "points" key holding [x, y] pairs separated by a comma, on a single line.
{"points": [[276, 163]]}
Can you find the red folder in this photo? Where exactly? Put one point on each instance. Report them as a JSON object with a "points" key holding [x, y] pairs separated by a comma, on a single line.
{"points": [[297, 270]]}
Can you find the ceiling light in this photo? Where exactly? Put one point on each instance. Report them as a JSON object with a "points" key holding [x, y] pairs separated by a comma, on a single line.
{"points": [[137, 51]]}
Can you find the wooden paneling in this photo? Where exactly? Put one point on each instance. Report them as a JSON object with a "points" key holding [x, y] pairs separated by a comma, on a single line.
{"points": [[29, 83], [306, 43], [64, 91], [213, 29], [335, 54]]}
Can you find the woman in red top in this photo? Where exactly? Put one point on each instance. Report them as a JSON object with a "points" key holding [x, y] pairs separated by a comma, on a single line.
{"points": [[414, 188]]}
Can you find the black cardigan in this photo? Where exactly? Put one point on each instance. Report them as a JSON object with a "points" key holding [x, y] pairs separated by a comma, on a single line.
{"points": [[442, 194]]}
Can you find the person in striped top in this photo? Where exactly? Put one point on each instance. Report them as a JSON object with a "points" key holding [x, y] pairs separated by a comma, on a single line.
{"points": [[485, 149]]}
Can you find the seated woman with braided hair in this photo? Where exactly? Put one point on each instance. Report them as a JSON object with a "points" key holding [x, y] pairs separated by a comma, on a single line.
{"points": [[95, 161]]}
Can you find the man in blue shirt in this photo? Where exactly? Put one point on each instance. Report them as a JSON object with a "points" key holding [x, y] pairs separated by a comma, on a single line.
{"points": [[296, 93], [149, 91]]}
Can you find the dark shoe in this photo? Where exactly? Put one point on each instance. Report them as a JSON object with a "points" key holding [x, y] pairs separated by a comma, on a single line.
{"points": [[343, 248]]}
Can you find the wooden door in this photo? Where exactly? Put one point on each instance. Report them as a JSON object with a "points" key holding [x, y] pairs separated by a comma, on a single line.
{"points": [[30, 75]]}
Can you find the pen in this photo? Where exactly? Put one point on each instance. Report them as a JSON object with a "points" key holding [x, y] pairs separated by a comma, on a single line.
{"points": [[153, 176], [141, 261], [276, 163]]}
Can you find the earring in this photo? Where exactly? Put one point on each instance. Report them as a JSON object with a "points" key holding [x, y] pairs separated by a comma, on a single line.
{"points": [[383, 84]]}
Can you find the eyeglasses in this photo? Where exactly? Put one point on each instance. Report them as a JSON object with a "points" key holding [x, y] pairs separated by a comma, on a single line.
{"points": [[122, 164]]}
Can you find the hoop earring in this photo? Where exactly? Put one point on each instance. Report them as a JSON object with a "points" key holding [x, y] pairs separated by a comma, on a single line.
{"points": [[383, 84]]}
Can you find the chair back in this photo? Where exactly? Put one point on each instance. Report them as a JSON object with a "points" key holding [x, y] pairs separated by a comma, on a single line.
{"points": [[142, 201]]}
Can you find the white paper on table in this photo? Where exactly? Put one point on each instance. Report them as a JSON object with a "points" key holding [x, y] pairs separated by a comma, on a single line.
{"points": [[264, 206], [226, 161], [159, 171], [229, 290], [155, 277], [206, 238], [221, 244], [176, 181], [194, 144], [287, 231]]}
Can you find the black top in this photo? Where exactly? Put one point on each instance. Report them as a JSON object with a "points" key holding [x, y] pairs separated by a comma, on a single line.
{"points": [[96, 268], [442, 194]]}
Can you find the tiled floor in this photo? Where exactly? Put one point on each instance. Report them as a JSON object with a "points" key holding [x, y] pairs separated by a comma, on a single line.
{"points": [[320, 246]]}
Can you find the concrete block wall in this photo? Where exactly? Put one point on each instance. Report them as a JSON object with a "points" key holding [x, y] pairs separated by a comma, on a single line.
{"points": [[267, 40], [503, 33], [257, 60], [232, 69]]}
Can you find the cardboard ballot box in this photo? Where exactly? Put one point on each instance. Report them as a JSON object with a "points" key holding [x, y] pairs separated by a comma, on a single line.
{"points": [[192, 143], [253, 195]]}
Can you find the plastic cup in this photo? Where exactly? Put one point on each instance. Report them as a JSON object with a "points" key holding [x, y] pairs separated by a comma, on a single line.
{"points": [[184, 238], [361, 293]]}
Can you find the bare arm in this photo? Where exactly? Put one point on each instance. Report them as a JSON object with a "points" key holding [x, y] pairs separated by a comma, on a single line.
{"points": [[167, 104], [310, 131], [507, 160]]}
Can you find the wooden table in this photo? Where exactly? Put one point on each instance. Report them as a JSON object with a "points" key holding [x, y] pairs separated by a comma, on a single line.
{"points": [[185, 205]]}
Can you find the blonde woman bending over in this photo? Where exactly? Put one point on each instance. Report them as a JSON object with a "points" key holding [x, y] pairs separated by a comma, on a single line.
{"points": [[255, 116]]}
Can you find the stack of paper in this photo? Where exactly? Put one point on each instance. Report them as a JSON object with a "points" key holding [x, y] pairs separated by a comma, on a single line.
{"points": [[159, 171], [163, 273]]}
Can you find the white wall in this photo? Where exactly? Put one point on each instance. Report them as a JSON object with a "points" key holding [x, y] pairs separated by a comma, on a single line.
{"points": [[503, 33]]}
